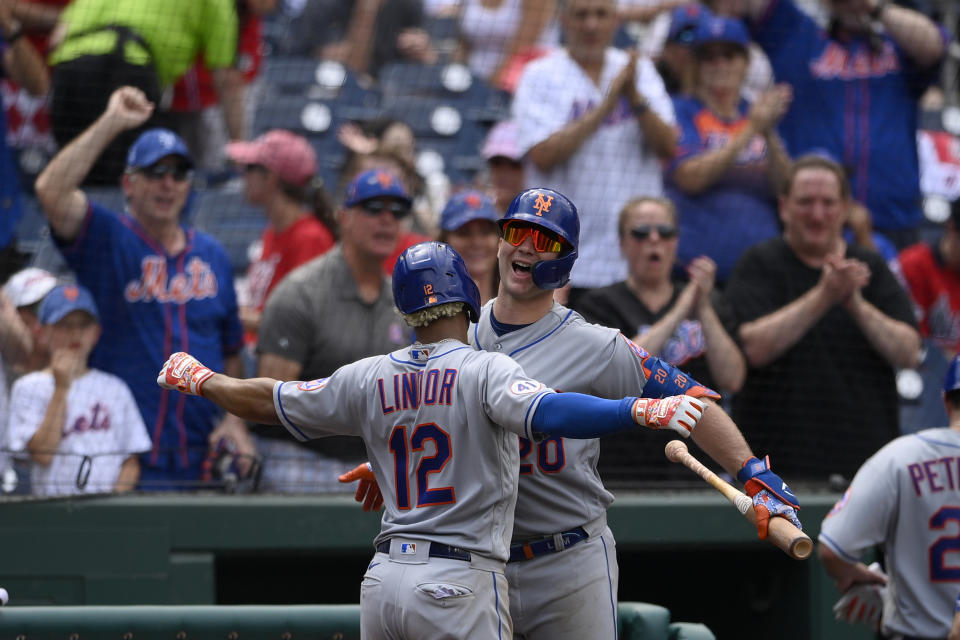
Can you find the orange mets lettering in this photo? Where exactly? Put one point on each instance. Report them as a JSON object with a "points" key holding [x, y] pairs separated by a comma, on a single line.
{"points": [[542, 204], [196, 282]]}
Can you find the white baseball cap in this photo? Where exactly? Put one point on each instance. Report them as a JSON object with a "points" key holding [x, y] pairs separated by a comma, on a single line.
{"points": [[29, 286]]}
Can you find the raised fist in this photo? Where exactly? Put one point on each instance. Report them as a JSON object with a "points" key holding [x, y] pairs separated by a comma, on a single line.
{"points": [[183, 372], [129, 107]]}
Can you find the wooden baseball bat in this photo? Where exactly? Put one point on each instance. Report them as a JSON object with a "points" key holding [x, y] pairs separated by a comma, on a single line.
{"points": [[781, 532]]}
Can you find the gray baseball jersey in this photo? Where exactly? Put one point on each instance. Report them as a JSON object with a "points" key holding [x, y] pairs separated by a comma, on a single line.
{"points": [[906, 497], [440, 423], [559, 485], [560, 488]]}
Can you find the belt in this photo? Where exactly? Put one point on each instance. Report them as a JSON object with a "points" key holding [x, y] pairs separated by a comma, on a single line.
{"points": [[529, 550], [437, 550]]}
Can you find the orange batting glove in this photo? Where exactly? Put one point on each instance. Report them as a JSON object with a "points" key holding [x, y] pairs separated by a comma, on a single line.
{"points": [[368, 491]]}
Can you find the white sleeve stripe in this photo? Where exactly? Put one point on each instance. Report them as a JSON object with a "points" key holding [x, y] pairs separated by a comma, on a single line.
{"points": [[528, 419], [284, 419], [833, 546]]}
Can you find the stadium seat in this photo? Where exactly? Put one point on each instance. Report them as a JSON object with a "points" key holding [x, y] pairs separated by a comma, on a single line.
{"points": [[223, 214], [321, 81], [690, 631], [921, 403], [452, 83]]}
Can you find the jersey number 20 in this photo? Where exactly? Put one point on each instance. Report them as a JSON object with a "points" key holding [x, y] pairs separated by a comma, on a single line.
{"points": [[422, 433], [940, 569]]}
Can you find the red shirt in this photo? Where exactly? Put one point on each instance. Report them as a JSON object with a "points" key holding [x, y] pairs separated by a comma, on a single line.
{"points": [[194, 90], [935, 289], [406, 239], [282, 252]]}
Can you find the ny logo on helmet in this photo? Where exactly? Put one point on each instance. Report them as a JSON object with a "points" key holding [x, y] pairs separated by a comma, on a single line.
{"points": [[542, 204]]}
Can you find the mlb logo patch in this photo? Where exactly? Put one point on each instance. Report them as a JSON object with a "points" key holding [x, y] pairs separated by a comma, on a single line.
{"points": [[408, 548]]}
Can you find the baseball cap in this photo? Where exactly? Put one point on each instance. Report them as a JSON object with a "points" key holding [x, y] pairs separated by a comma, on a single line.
{"points": [[684, 22], [376, 183], [466, 206], [502, 142], [952, 380], [64, 299], [721, 29], [29, 286], [285, 153], [154, 144]]}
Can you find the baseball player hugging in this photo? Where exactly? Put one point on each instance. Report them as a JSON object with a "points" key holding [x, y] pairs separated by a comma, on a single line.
{"points": [[440, 421]]}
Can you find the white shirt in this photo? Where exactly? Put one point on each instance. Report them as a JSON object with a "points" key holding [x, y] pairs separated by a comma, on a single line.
{"points": [[611, 167], [101, 429]]}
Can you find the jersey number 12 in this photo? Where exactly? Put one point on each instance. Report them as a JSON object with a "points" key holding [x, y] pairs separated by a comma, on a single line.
{"points": [[422, 433]]}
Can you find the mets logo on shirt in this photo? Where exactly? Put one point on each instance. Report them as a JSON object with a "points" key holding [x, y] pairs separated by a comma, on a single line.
{"points": [[313, 385], [525, 387], [841, 503]]}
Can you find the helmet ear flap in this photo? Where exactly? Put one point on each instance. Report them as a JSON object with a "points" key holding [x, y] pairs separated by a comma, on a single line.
{"points": [[553, 274]]}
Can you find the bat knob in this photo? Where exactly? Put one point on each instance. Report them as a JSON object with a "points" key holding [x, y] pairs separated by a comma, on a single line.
{"points": [[674, 450]]}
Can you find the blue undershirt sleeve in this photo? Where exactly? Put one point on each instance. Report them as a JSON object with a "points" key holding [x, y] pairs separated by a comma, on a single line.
{"points": [[577, 415]]}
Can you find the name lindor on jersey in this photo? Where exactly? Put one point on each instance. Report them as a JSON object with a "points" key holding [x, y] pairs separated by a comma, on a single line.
{"points": [[935, 475], [410, 390]]}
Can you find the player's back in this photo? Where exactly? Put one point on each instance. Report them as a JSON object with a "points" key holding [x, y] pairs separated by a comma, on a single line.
{"points": [[440, 423], [908, 493]]}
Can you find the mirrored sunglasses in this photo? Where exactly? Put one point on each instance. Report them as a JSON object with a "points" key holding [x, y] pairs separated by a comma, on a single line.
{"points": [[178, 172], [543, 240], [398, 209], [643, 231]]}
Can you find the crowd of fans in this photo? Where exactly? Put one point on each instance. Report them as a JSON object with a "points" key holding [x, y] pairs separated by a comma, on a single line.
{"points": [[746, 173]]}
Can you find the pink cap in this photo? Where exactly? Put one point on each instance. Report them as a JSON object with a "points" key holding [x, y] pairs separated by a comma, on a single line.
{"points": [[502, 141], [288, 155]]}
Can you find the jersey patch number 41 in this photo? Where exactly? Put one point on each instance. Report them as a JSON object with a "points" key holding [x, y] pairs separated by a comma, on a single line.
{"points": [[525, 387]]}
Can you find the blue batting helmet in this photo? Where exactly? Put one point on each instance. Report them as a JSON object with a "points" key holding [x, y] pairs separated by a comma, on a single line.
{"points": [[554, 211], [952, 380], [432, 273]]}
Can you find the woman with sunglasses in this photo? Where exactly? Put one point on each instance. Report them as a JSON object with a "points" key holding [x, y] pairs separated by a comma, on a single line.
{"points": [[729, 158], [671, 317]]}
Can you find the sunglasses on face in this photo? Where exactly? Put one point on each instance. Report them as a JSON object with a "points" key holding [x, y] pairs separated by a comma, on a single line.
{"points": [[399, 210], [179, 172], [544, 241], [643, 231]]}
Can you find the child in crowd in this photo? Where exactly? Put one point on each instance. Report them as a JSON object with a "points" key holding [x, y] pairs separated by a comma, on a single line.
{"points": [[80, 426]]}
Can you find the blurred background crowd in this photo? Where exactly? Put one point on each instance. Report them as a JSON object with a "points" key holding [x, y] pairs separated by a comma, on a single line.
{"points": [[769, 193]]}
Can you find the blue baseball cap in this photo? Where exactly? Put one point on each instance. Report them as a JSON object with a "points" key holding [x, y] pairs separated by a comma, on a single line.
{"points": [[684, 22], [376, 183], [154, 144], [64, 299], [467, 206], [722, 29]]}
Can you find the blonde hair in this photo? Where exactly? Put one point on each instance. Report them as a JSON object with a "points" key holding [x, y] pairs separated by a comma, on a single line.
{"points": [[670, 208], [425, 316]]}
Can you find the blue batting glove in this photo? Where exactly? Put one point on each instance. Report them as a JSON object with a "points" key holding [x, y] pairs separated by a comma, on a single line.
{"points": [[771, 495]]}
